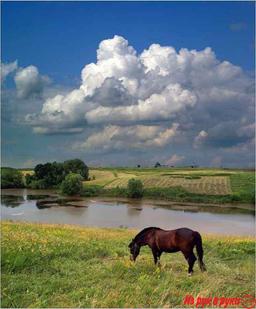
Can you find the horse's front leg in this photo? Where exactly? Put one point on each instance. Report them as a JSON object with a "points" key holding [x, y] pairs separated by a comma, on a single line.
{"points": [[156, 255]]}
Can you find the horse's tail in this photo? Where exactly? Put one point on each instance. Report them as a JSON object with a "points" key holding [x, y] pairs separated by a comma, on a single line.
{"points": [[199, 250]]}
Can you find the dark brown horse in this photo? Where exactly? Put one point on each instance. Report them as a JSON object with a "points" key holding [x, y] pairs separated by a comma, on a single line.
{"points": [[160, 241]]}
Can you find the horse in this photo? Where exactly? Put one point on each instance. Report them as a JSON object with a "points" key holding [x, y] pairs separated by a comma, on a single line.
{"points": [[170, 241]]}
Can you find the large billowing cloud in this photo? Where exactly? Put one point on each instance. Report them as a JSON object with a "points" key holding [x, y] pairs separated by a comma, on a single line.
{"points": [[160, 92]]}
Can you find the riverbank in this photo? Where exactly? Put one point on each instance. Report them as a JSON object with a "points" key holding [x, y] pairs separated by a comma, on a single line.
{"points": [[111, 212], [68, 266], [120, 195], [173, 196]]}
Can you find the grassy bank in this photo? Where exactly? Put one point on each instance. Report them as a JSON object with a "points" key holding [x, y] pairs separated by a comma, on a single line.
{"points": [[66, 266], [177, 194]]}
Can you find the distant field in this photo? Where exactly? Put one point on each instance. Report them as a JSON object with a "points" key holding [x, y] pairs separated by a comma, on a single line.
{"points": [[200, 181], [219, 185], [106, 177], [27, 172]]}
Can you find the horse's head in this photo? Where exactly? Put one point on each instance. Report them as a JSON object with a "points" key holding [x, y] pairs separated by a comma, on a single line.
{"points": [[134, 250]]}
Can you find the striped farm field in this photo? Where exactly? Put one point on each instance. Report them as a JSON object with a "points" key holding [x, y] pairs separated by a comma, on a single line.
{"points": [[107, 177], [213, 185]]}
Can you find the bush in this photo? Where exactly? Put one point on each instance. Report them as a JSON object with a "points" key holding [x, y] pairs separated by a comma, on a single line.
{"points": [[135, 188], [38, 184], [72, 184], [90, 191], [116, 192], [11, 178]]}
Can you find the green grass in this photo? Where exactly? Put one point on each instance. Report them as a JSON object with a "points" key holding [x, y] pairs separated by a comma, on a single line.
{"points": [[177, 194], [243, 186], [180, 195], [67, 266]]}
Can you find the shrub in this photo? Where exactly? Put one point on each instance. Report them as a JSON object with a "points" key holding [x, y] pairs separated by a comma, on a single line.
{"points": [[11, 178], [72, 184], [90, 191], [38, 184], [135, 188], [116, 192]]}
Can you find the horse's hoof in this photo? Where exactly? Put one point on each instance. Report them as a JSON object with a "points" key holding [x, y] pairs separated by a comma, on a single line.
{"points": [[189, 274]]}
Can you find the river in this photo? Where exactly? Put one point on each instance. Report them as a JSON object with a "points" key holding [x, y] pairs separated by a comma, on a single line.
{"points": [[27, 205]]}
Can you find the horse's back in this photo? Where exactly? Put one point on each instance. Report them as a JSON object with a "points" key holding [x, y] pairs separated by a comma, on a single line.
{"points": [[180, 237], [183, 232]]}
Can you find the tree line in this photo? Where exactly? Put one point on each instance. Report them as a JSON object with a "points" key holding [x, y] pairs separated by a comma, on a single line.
{"points": [[45, 176], [67, 177], [50, 175]]}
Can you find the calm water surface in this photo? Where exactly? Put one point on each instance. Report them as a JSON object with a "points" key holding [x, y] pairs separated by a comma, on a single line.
{"points": [[22, 205]]}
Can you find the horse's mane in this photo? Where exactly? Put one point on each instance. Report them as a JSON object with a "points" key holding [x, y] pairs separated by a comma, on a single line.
{"points": [[141, 233]]}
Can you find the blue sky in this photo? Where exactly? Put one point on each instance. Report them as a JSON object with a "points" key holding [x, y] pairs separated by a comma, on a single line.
{"points": [[60, 38]]}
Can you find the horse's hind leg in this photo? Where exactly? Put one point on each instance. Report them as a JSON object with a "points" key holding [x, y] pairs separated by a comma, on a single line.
{"points": [[191, 262], [191, 258]]}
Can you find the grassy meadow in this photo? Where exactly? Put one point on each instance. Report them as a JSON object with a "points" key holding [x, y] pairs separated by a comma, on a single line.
{"points": [[68, 266]]}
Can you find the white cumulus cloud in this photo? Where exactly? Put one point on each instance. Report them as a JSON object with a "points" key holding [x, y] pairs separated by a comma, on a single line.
{"points": [[128, 137], [124, 91], [175, 159], [29, 82], [200, 138], [7, 68]]}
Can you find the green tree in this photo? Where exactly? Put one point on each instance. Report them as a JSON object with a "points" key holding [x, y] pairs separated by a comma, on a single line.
{"points": [[77, 166], [47, 175], [157, 165], [135, 188], [11, 178], [72, 184], [51, 175]]}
